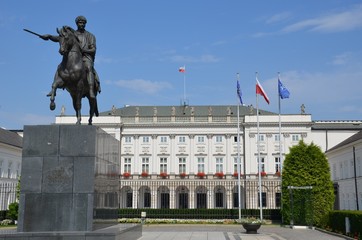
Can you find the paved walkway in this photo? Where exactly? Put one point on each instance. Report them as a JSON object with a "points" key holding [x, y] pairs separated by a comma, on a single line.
{"points": [[225, 232], [230, 232]]}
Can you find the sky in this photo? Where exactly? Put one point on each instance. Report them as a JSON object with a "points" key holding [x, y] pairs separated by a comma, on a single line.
{"points": [[314, 45]]}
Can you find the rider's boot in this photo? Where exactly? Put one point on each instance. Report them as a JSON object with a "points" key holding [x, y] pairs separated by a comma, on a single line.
{"points": [[90, 79], [91, 91]]}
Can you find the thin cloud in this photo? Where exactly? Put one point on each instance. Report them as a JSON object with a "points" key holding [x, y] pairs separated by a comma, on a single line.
{"points": [[142, 85], [278, 17], [219, 43], [342, 59], [334, 22], [318, 87], [261, 34]]}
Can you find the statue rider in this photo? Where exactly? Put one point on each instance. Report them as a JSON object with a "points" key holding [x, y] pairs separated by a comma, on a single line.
{"points": [[88, 45]]}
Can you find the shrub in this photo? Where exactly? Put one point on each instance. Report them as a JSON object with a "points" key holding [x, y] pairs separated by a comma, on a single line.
{"points": [[307, 165], [336, 222], [13, 211], [6, 222]]}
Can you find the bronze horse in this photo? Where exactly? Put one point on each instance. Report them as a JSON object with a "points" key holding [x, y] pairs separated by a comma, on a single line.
{"points": [[71, 74]]}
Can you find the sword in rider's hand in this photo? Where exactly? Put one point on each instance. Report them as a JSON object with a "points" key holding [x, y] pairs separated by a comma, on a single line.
{"points": [[37, 34]]}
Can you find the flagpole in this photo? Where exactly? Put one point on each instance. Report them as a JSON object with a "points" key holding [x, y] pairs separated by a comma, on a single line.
{"points": [[280, 131], [239, 162], [259, 160], [280, 148], [184, 85]]}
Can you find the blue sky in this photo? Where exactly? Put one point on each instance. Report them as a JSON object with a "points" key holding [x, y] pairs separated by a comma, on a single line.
{"points": [[316, 46]]}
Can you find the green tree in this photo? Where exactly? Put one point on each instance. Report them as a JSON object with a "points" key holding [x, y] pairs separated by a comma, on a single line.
{"points": [[13, 208], [307, 165], [12, 213]]}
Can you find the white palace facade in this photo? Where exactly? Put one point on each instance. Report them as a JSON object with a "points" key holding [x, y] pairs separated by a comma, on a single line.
{"points": [[10, 165], [186, 156]]}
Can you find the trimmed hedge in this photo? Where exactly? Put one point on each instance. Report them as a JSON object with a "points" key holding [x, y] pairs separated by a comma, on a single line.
{"points": [[271, 214], [336, 222]]}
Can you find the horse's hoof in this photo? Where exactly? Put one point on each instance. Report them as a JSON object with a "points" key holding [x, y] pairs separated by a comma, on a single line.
{"points": [[52, 106]]}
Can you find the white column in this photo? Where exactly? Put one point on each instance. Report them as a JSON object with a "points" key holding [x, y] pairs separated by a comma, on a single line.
{"points": [[154, 197], [229, 161], [192, 163], [135, 198], [210, 159], [229, 198], [210, 197], [172, 198], [192, 195], [154, 161], [137, 163], [172, 161]]}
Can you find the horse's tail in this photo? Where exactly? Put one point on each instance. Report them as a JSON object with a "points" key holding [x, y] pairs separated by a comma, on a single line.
{"points": [[96, 107]]}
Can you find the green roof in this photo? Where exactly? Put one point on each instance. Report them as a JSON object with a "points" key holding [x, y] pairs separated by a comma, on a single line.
{"points": [[199, 110], [352, 139], [10, 138]]}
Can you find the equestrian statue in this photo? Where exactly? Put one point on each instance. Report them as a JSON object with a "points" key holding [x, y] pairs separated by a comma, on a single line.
{"points": [[76, 72]]}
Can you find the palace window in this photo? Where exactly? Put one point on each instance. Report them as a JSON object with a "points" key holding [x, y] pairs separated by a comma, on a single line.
{"points": [[147, 199], [263, 199], [236, 165], [163, 165], [163, 139], [181, 139], [182, 165], [219, 164], [146, 139], [278, 199], [235, 199], [276, 138], [219, 199], [145, 164], [183, 199], [218, 139], [341, 170], [262, 164], [127, 139], [295, 137], [129, 199], [277, 164], [200, 139], [261, 138], [127, 165], [201, 197], [201, 164], [165, 200]]}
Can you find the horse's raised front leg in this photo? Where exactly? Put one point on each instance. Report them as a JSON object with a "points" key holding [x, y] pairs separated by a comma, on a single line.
{"points": [[57, 83]]}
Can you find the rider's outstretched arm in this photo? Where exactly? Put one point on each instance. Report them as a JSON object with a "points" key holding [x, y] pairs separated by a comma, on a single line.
{"points": [[50, 37]]}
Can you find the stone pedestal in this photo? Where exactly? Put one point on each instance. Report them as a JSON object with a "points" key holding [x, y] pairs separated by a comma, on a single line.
{"points": [[69, 179]]}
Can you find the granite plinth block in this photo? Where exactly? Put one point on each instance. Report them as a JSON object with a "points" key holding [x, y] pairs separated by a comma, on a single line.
{"points": [[69, 178]]}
